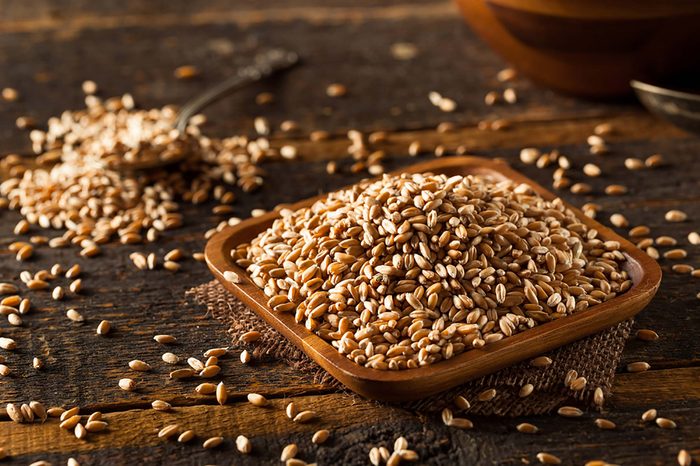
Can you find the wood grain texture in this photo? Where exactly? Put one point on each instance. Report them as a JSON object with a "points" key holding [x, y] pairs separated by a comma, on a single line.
{"points": [[47, 66]]}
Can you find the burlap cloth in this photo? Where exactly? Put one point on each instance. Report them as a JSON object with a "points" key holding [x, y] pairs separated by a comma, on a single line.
{"points": [[594, 357]]}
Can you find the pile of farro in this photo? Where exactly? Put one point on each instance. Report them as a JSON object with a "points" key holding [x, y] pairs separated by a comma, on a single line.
{"points": [[75, 182], [413, 269]]}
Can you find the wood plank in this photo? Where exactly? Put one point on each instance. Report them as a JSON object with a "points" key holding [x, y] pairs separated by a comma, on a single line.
{"points": [[356, 425], [72, 17], [64, 383], [384, 93]]}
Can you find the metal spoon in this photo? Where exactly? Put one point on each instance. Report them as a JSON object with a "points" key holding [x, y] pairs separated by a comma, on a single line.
{"points": [[264, 65], [679, 107]]}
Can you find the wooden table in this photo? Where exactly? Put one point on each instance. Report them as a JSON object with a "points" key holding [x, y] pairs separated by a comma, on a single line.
{"points": [[46, 52]]}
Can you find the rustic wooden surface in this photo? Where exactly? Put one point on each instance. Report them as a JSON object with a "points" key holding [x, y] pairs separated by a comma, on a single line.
{"points": [[48, 48]]}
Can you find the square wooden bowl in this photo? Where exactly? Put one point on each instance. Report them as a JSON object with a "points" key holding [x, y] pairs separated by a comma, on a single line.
{"points": [[411, 384]]}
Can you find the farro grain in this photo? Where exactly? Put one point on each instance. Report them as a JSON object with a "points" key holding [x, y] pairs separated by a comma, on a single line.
{"points": [[666, 241], [665, 423], [95, 426], [212, 442], [39, 410], [684, 458], [569, 411], [257, 399], [526, 390], [160, 405], [55, 411], [80, 431], [615, 190], [288, 452], [461, 423], [128, 385], [652, 252], [186, 436], [604, 424], [694, 237], [640, 230], [676, 254], [206, 388], [170, 358], [682, 268], [548, 458], [70, 422], [209, 372], [243, 445], [291, 410], [578, 384], [527, 428], [639, 366], [57, 293], [4, 370], [103, 328], [182, 374], [8, 343], [168, 431], [69, 413], [14, 412], [305, 416], [675, 216], [320, 436], [165, 339], [592, 170], [654, 161], [461, 402], [598, 397], [649, 415], [541, 361]]}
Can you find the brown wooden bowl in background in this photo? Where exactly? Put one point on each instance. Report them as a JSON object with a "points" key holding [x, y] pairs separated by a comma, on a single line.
{"points": [[411, 384], [591, 48]]}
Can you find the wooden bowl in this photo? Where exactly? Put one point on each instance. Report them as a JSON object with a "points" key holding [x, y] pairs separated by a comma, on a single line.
{"points": [[591, 48], [418, 383]]}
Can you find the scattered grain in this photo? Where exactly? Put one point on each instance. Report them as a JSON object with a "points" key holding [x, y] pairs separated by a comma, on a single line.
{"points": [[128, 385], [243, 445], [168, 431], [186, 72], [649, 415], [212, 442], [541, 361], [160, 405], [676, 254], [604, 424], [526, 390], [165, 339], [569, 411], [675, 216], [257, 399], [305, 416], [336, 90], [665, 423], [186, 436], [288, 452], [684, 458], [103, 328], [527, 428], [591, 169], [548, 458], [654, 161]]}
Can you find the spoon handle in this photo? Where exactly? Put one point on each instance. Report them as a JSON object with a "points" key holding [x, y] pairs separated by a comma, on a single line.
{"points": [[266, 63]]}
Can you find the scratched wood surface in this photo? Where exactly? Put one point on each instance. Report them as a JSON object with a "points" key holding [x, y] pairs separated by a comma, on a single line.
{"points": [[48, 48]]}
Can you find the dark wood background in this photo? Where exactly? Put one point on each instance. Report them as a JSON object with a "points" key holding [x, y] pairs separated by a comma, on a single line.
{"points": [[48, 48]]}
